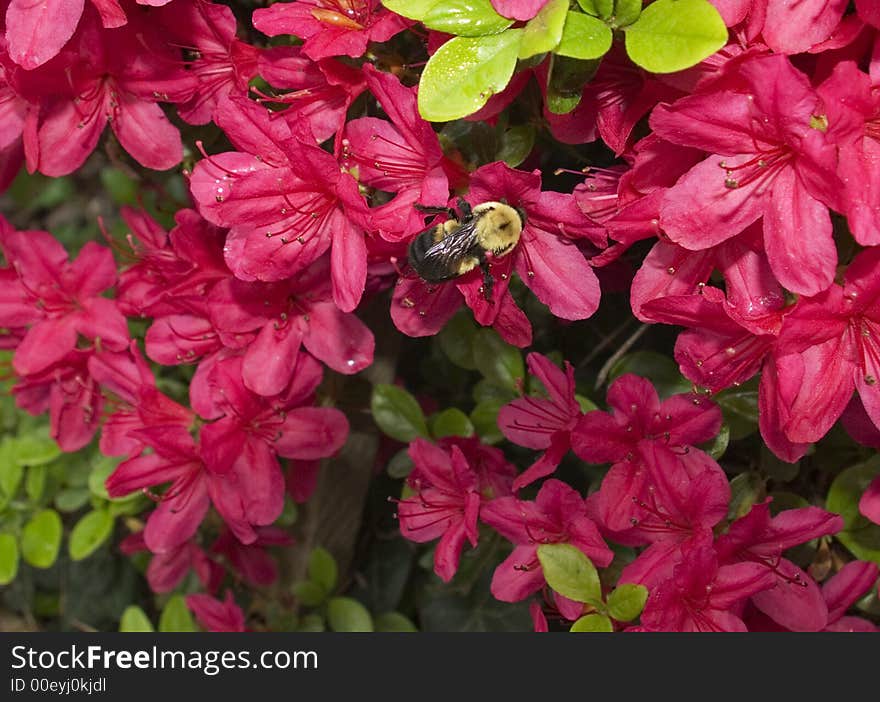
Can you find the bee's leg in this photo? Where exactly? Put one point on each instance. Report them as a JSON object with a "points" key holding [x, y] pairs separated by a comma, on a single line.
{"points": [[436, 210], [465, 208], [488, 281]]}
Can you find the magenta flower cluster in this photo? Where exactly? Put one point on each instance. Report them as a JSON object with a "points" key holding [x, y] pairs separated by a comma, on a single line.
{"points": [[740, 173]]}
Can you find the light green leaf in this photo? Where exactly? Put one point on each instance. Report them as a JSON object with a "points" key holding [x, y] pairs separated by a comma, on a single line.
{"points": [[176, 616], [625, 12], [41, 539], [627, 601], [499, 362], [746, 490], [309, 593], [593, 623], [597, 8], [465, 72], [71, 499], [451, 422], [134, 619], [568, 571], [347, 614], [465, 18], [411, 9], [543, 32], [400, 465], [8, 558], [35, 482], [584, 37], [36, 448], [10, 473], [394, 621], [397, 413], [89, 533], [322, 569], [671, 35]]}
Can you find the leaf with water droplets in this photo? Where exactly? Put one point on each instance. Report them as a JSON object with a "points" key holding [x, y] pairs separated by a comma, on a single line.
{"points": [[584, 37], [465, 72], [465, 18], [543, 32]]}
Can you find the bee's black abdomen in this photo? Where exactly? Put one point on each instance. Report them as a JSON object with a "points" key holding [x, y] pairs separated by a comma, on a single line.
{"points": [[429, 267]]}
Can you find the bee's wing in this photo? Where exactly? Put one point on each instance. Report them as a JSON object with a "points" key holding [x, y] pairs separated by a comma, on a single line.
{"points": [[442, 259]]}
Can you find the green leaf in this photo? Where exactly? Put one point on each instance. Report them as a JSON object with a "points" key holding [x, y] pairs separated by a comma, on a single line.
{"points": [[625, 13], [465, 18], [485, 419], [746, 489], [464, 73], [451, 422], [672, 35], [499, 362], [595, 623], [597, 8], [135, 619], [102, 467], [8, 558], [626, 602], [565, 82], [309, 593], [35, 482], [35, 448], [347, 614], [312, 622], [397, 413], [10, 473], [89, 533], [123, 189], [41, 539], [776, 468], [568, 571], [859, 535], [585, 403], [322, 569], [717, 446], [394, 621], [176, 616], [516, 144], [661, 370], [71, 499], [456, 340], [543, 32], [584, 37], [740, 408], [400, 465], [411, 9]]}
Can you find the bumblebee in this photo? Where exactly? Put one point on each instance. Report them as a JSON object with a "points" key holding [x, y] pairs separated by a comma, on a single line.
{"points": [[461, 243]]}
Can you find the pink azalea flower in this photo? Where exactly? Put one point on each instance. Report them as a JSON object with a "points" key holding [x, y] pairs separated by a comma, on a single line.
{"points": [[318, 93], [557, 515], [251, 561], [828, 349], [221, 63], [842, 591], [445, 503], [281, 317], [767, 161], [167, 570], [546, 259], [853, 112], [331, 27], [543, 424], [37, 30], [401, 156], [128, 381], [71, 396], [217, 615], [794, 600], [250, 432], [106, 76], [702, 595], [65, 300], [286, 203]]}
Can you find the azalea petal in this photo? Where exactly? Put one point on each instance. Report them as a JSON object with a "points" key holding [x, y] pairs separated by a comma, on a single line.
{"points": [[546, 463], [422, 309], [869, 502], [797, 237], [348, 257], [310, 433], [146, 133], [669, 270], [791, 28], [69, 131], [176, 520], [270, 359], [548, 266], [847, 586], [338, 339], [795, 601], [37, 29], [511, 581], [44, 344]]}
